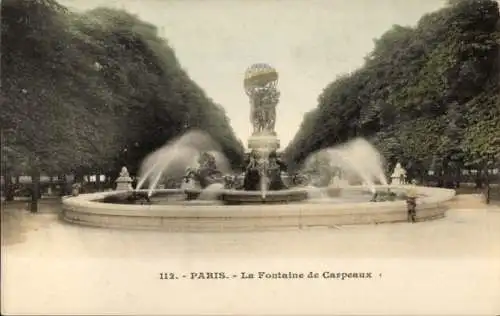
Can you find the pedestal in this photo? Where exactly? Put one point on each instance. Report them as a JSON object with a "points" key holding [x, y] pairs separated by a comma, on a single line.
{"points": [[124, 184], [396, 181], [398, 176]]}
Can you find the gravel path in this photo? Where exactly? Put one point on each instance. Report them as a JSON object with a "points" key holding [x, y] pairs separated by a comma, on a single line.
{"points": [[447, 266]]}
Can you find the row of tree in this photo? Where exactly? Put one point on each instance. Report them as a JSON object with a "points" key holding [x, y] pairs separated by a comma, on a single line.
{"points": [[427, 96], [91, 92]]}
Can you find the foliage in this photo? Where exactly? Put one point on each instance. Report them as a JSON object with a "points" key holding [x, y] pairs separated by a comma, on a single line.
{"points": [[94, 90], [426, 96]]}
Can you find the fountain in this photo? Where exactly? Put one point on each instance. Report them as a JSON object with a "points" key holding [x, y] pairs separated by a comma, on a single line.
{"points": [[336, 186], [263, 181]]}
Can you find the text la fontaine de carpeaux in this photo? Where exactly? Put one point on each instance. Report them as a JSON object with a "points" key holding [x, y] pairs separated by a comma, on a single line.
{"points": [[310, 275]]}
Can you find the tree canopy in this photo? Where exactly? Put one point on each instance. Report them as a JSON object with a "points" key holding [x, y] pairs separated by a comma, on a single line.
{"points": [[427, 95], [94, 90]]}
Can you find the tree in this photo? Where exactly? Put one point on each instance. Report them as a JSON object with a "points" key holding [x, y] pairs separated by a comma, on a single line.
{"points": [[93, 91], [423, 93]]}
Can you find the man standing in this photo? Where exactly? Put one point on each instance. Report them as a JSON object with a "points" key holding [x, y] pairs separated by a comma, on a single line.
{"points": [[411, 202]]}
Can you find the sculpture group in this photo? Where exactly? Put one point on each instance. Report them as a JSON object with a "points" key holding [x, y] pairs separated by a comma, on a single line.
{"points": [[264, 168], [259, 168], [263, 110], [260, 86], [207, 172]]}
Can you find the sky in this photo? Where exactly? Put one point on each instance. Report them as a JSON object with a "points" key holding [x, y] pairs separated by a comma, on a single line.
{"points": [[309, 42]]}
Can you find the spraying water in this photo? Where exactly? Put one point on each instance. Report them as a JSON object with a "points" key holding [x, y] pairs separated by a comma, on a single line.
{"points": [[190, 184], [314, 194], [264, 180], [357, 157], [176, 156], [211, 192]]}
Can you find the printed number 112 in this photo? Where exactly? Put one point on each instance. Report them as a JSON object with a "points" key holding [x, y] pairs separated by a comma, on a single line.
{"points": [[167, 276]]}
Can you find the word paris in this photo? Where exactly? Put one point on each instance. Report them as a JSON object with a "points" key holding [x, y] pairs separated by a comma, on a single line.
{"points": [[267, 275]]}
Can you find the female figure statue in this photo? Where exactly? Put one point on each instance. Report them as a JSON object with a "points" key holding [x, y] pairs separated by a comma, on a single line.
{"points": [[252, 173], [275, 167]]}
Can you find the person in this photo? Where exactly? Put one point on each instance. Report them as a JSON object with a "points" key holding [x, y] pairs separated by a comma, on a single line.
{"points": [[402, 179], [411, 203], [487, 192]]}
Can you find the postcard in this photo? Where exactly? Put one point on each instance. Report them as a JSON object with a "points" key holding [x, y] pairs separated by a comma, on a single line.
{"points": [[250, 157]]}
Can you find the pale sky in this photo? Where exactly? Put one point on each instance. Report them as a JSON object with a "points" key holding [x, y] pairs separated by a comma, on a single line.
{"points": [[309, 42]]}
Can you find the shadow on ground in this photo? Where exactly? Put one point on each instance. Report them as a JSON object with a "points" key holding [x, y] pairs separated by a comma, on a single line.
{"points": [[17, 221]]}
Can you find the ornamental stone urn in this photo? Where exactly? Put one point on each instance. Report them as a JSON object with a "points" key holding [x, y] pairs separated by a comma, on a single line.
{"points": [[398, 176], [124, 181]]}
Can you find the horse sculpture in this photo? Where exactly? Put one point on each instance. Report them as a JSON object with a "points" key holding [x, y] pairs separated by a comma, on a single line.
{"points": [[207, 172]]}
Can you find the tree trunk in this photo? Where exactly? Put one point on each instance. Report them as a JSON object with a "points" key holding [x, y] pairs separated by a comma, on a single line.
{"points": [[458, 176], [487, 185], [35, 190], [447, 181], [78, 176], [50, 189], [440, 181], [111, 177], [107, 180], [98, 180], [479, 179], [62, 184], [8, 187]]}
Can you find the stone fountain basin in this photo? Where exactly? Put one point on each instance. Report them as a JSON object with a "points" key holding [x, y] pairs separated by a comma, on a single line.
{"points": [[225, 196], [239, 197], [236, 197], [86, 209]]}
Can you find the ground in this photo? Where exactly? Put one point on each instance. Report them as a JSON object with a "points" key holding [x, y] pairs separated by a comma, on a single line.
{"points": [[447, 266]]}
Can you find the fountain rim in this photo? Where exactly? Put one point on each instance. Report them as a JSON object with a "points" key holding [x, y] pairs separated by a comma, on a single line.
{"points": [[92, 201], [84, 210]]}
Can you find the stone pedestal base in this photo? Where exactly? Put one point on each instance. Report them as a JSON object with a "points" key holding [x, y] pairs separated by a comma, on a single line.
{"points": [[124, 184], [396, 181], [269, 142]]}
